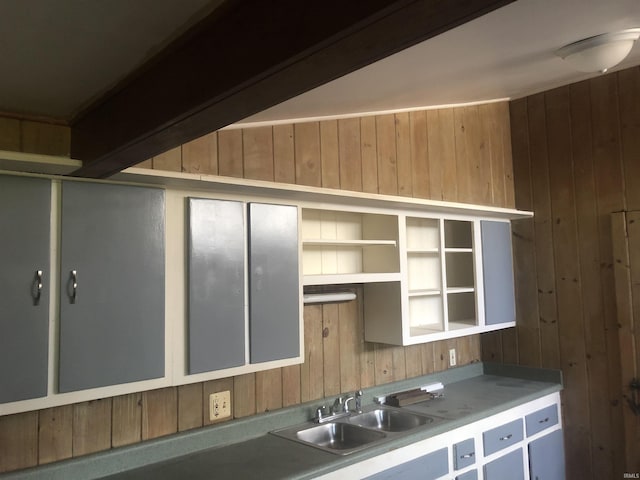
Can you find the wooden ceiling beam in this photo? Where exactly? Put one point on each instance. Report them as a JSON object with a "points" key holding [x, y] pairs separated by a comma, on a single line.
{"points": [[248, 56]]}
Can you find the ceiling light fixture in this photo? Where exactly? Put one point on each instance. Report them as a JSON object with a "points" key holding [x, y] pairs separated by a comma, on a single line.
{"points": [[601, 52]]}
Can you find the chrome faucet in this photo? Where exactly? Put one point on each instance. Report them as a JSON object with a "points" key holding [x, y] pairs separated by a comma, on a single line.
{"points": [[340, 408], [357, 399]]}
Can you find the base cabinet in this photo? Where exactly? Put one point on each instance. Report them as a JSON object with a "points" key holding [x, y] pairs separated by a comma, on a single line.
{"points": [[479, 450], [509, 466], [428, 467], [546, 457]]}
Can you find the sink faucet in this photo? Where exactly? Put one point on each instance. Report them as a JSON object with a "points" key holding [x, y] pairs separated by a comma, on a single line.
{"points": [[340, 408], [357, 399]]}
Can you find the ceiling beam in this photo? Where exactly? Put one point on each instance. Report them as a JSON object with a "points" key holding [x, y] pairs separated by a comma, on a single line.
{"points": [[248, 56]]}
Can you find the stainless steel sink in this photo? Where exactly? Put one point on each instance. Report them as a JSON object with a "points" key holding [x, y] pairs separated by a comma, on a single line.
{"points": [[335, 437], [389, 420]]}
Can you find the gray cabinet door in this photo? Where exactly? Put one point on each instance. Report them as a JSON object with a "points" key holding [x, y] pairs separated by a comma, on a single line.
{"points": [[546, 457], [509, 466], [112, 324], [24, 313], [497, 265], [216, 285], [274, 282], [428, 467]]}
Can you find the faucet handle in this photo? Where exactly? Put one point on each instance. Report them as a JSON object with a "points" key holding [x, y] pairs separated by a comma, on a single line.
{"points": [[358, 396], [320, 413], [337, 405]]}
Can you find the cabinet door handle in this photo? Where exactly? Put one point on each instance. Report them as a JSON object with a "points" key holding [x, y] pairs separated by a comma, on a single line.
{"points": [[74, 286], [544, 420], [506, 437], [38, 287], [467, 455]]}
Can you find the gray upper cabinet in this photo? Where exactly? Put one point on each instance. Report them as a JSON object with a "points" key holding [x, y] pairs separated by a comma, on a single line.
{"points": [[24, 282], [274, 282], [497, 264], [216, 285], [112, 285]]}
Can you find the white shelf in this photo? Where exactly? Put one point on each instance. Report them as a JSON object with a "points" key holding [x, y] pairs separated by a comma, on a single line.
{"points": [[424, 292], [346, 278], [458, 250], [418, 331], [454, 290], [347, 243], [460, 324], [423, 251]]}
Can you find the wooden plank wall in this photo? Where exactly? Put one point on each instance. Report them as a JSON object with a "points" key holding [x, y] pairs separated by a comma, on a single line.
{"points": [[576, 156], [453, 154], [29, 136], [625, 230]]}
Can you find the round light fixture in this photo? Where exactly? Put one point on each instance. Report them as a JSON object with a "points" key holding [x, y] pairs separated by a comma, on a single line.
{"points": [[601, 52]]}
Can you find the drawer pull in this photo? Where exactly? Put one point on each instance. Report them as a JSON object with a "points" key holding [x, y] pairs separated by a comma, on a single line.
{"points": [[544, 420], [506, 437], [467, 455]]}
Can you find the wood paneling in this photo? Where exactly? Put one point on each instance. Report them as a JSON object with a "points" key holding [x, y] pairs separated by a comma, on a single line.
{"points": [[626, 242], [29, 136], [126, 420], [18, 441], [575, 160], [55, 434], [190, 406], [159, 412], [201, 155], [411, 154], [91, 426]]}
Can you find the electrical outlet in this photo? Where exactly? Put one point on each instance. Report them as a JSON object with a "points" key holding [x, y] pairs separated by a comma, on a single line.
{"points": [[219, 405], [452, 357]]}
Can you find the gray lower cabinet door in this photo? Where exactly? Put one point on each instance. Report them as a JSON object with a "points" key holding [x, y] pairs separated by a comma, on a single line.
{"points": [[274, 282], [112, 285], [216, 285], [509, 466], [24, 307], [497, 265], [546, 457], [470, 475], [428, 467]]}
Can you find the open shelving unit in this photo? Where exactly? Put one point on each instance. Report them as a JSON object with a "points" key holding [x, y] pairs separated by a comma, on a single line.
{"points": [[349, 247]]}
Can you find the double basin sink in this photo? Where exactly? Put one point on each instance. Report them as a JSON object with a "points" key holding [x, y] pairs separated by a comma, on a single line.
{"points": [[356, 431]]}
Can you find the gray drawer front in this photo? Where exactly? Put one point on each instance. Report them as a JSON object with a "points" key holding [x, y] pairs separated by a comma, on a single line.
{"points": [[428, 467], [472, 475], [538, 421], [510, 466], [464, 454], [501, 437]]}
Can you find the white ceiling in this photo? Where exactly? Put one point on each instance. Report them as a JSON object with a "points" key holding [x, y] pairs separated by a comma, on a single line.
{"points": [[57, 56], [508, 53]]}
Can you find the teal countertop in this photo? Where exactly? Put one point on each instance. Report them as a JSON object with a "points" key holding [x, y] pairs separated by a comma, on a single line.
{"points": [[243, 449]]}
